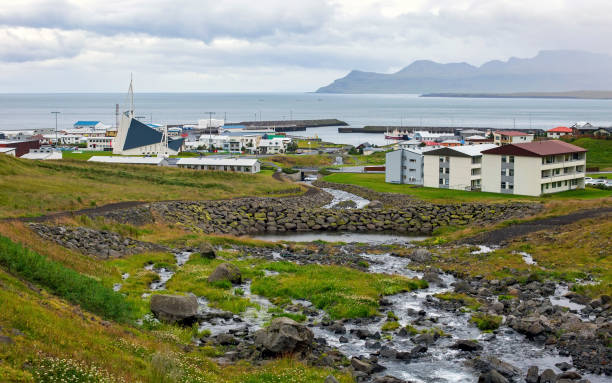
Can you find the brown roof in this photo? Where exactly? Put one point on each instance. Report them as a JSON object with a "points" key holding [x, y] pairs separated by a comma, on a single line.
{"points": [[536, 149], [511, 133]]}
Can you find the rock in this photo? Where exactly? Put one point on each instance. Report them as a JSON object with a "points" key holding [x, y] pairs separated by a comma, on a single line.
{"points": [[563, 366], [490, 362], [175, 308], [226, 340], [432, 277], [389, 379], [375, 205], [366, 366], [330, 379], [284, 335], [418, 349], [362, 333], [532, 375], [343, 339], [420, 255], [462, 287], [492, 377], [427, 339], [207, 251], [337, 328], [466, 345], [570, 375], [548, 376], [225, 272]]}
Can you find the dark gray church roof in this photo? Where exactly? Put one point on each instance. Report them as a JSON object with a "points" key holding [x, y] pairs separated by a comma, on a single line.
{"points": [[140, 134], [176, 144]]}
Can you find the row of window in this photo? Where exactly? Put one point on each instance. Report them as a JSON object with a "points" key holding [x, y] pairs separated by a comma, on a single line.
{"points": [[444, 159], [558, 184], [507, 185], [507, 159], [507, 172], [411, 169], [562, 158], [444, 170]]}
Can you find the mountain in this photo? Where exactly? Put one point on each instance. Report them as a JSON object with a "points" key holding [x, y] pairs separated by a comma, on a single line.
{"points": [[548, 71]]}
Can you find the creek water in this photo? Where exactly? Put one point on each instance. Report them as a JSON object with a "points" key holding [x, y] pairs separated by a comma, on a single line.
{"points": [[341, 196], [346, 237]]}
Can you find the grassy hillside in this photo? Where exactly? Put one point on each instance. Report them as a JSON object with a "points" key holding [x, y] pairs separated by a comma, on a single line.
{"points": [[30, 188], [599, 152], [377, 183]]}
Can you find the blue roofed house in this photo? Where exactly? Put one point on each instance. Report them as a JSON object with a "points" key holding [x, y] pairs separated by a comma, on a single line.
{"points": [[136, 138], [88, 124]]}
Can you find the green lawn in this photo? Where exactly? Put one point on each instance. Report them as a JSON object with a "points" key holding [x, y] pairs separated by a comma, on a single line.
{"points": [[601, 175], [84, 155], [377, 183], [599, 152]]}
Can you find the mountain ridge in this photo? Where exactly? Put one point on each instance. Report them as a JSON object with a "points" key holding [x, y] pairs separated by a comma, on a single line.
{"points": [[548, 71]]}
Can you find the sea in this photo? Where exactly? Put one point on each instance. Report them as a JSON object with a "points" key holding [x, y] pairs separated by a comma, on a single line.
{"points": [[33, 111]]}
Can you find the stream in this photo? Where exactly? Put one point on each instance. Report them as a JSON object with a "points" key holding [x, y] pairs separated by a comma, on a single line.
{"points": [[341, 196]]}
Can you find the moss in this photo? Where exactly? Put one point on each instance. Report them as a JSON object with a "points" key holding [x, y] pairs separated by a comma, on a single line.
{"points": [[486, 322], [390, 326]]}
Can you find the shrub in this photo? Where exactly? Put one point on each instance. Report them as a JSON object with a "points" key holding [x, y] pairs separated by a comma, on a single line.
{"points": [[290, 170], [486, 322], [390, 326], [85, 291]]}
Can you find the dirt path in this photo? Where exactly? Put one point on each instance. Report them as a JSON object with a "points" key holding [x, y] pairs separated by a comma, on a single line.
{"points": [[498, 236]]}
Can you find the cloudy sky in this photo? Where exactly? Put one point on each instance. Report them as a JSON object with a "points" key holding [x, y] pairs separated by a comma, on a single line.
{"points": [[271, 45]]}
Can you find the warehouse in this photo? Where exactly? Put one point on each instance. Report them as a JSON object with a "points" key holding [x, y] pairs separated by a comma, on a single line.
{"points": [[244, 165]]}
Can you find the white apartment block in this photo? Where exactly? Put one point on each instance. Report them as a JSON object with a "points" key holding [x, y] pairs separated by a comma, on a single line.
{"points": [[243, 165], [100, 143], [534, 168], [404, 166], [454, 167]]}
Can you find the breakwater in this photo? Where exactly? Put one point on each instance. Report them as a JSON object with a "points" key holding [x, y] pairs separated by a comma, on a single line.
{"points": [[290, 125], [411, 129]]}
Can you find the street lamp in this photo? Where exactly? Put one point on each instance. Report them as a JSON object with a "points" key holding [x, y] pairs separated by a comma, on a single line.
{"points": [[56, 113]]}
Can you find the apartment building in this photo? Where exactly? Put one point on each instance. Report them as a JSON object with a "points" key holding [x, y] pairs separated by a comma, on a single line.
{"points": [[534, 168], [505, 137], [454, 168], [404, 166]]}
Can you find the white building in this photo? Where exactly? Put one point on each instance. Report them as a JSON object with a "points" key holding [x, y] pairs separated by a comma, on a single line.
{"points": [[559, 132], [8, 151], [136, 138], [454, 167], [100, 143], [210, 123], [504, 137], [533, 168], [43, 154], [244, 165], [157, 161], [64, 139], [404, 166], [274, 145]]}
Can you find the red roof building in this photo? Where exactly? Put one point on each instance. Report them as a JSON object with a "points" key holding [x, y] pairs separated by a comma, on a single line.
{"points": [[504, 137], [559, 131]]}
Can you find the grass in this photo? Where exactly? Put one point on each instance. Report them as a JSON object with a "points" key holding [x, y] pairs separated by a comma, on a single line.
{"points": [[307, 160], [486, 322], [377, 183], [377, 158], [315, 144], [601, 175], [31, 188], [599, 152], [463, 299], [79, 289], [340, 291]]}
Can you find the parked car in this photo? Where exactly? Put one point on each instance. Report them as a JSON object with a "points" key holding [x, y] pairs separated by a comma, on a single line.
{"points": [[310, 178]]}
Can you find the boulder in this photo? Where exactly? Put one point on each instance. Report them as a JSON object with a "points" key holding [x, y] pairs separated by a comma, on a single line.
{"points": [[283, 336], [569, 375], [433, 278], [421, 255], [375, 205], [492, 377], [330, 379], [225, 272], [389, 379], [490, 362], [207, 251], [466, 345], [175, 308], [532, 375], [548, 376]]}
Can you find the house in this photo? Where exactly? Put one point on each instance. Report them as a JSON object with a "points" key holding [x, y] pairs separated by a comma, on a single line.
{"points": [[89, 125], [602, 132], [274, 145], [559, 132], [534, 168], [470, 132], [100, 143], [504, 137], [157, 161], [404, 166], [450, 143], [63, 139], [454, 168], [244, 165], [409, 144], [21, 146], [8, 151], [43, 154], [477, 139], [136, 138]]}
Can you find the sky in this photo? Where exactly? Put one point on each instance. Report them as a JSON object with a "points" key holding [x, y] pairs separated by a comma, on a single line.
{"points": [[271, 45]]}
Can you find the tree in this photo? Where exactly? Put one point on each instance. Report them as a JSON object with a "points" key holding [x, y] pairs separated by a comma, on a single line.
{"points": [[292, 147]]}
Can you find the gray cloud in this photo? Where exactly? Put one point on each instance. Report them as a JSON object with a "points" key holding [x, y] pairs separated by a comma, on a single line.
{"points": [[218, 45]]}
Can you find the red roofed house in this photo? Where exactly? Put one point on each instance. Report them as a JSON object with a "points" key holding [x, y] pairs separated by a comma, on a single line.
{"points": [[559, 132], [533, 168], [504, 137]]}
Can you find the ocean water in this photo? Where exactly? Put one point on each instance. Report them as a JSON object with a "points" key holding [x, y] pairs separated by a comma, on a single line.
{"points": [[29, 111]]}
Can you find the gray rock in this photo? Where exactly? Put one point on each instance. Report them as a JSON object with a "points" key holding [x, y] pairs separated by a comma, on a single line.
{"points": [[466, 345], [548, 376], [563, 366], [330, 379], [375, 205], [569, 375], [421, 255], [490, 362], [226, 272], [226, 340], [432, 277], [492, 377], [532, 375], [175, 308], [283, 336], [389, 379], [207, 251]]}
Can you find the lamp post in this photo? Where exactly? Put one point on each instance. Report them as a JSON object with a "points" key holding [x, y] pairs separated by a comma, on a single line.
{"points": [[210, 114], [56, 113]]}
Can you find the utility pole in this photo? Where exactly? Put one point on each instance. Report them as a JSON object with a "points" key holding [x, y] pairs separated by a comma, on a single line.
{"points": [[210, 114], [56, 113]]}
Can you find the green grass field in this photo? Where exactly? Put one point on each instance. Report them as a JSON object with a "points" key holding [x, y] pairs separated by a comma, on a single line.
{"points": [[377, 183], [30, 188], [599, 152], [601, 175]]}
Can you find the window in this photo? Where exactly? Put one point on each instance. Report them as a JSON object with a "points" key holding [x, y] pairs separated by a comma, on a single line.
{"points": [[559, 184], [441, 159], [447, 159], [556, 171], [412, 160], [503, 185], [503, 172], [511, 171], [441, 181], [511, 159], [412, 170], [441, 170], [447, 170], [504, 159]]}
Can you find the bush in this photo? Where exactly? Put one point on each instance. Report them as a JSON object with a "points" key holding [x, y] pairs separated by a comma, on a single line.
{"points": [[85, 291], [390, 326], [486, 322], [290, 170]]}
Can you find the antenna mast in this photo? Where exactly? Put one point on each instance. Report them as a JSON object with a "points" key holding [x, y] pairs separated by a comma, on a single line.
{"points": [[131, 96]]}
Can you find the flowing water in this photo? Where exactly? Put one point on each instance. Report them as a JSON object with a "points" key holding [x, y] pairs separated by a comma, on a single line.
{"points": [[346, 237], [341, 196]]}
